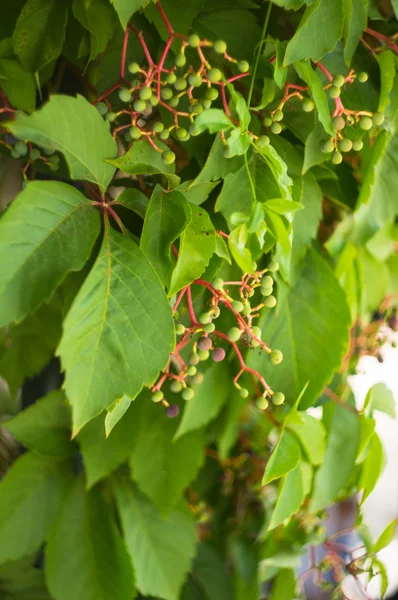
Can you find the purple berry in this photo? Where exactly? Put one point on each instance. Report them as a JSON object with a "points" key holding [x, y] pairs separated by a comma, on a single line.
{"points": [[204, 343], [218, 354], [172, 411]]}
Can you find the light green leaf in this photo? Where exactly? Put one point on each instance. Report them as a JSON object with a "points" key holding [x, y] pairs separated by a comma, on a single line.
{"points": [[161, 468], [74, 127], [367, 427], [284, 458], [374, 281], [241, 108], [18, 84], [386, 537], [143, 159], [31, 494], [310, 314], [45, 426], [48, 230], [281, 207], [311, 434], [307, 74], [237, 142], [381, 245], [168, 215], [355, 17], [306, 221], [126, 8], [284, 586], [290, 497], [85, 555], [280, 72], [388, 71], [372, 467], [196, 194], [279, 170], [120, 307], [161, 547], [115, 413], [209, 398], [320, 29], [230, 423], [134, 200], [338, 464], [39, 33], [213, 119], [380, 398], [312, 151], [237, 241], [222, 249], [98, 18], [197, 245]]}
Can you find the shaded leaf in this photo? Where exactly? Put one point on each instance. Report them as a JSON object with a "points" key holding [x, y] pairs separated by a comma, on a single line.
{"points": [[355, 17], [20, 579], [209, 575], [126, 8], [18, 84], [284, 458], [311, 434], [290, 497], [98, 18], [307, 74]]}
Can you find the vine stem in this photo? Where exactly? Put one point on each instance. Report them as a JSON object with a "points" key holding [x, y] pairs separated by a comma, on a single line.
{"points": [[263, 34], [253, 189], [169, 28]]}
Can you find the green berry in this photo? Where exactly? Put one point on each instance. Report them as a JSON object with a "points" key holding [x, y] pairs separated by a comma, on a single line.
{"points": [[262, 403], [145, 92], [173, 102], [262, 141], [195, 80], [327, 146], [237, 306], [338, 81], [267, 121], [134, 67], [180, 84], [278, 115], [158, 127], [180, 60], [276, 357], [193, 130], [181, 133], [243, 66], [187, 394], [198, 378], [14, 153], [180, 329], [168, 157], [197, 108], [102, 108], [214, 75], [21, 148], [333, 92], [276, 128], [194, 40], [175, 386], [256, 331], [337, 158], [211, 94], [362, 77], [273, 266], [139, 105], [193, 359], [267, 281], [270, 302], [234, 334], [338, 123], [378, 119], [164, 135], [218, 283], [135, 133], [357, 145], [365, 123], [243, 393], [171, 78], [34, 154], [166, 93], [345, 145], [308, 105], [251, 293], [205, 103], [110, 116], [216, 312], [278, 398], [247, 309], [125, 95], [203, 354], [157, 396], [220, 46], [154, 100], [192, 370], [205, 318], [209, 328]]}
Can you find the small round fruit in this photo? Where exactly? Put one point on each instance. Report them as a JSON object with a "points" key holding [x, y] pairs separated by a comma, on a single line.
{"points": [[278, 398], [193, 130], [145, 92], [14, 153], [172, 411], [220, 46], [158, 127], [270, 302], [175, 386], [365, 123], [262, 141], [166, 93], [204, 343], [338, 81], [378, 119], [276, 357], [180, 60], [345, 145], [198, 378], [276, 128], [211, 94], [308, 105], [180, 329], [157, 396], [262, 403], [237, 306], [168, 157], [194, 359], [267, 281], [209, 328], [102, 108], [218, 283], [362, 77], [171, 78], [192, 370], [21, 148], [338, 123], [334, 92], [187, 394], [205, 103], [267, 121], [273, 266], [218, 354], [110, 116], [134, 67], [135, 133], [34, 154], [203, 354], [337, 158], [197, 109], [243, 66], [205, 318], [154, 100], [164, 135], [214, 75], [139, 105], [180, 83], [278, 115], [234, 334], [125, 95], [195, 80], [256, 331], [357, 145], [327, 146], [215, 312], [243, 393], [181, 133], [247, 309], [194, 40]]}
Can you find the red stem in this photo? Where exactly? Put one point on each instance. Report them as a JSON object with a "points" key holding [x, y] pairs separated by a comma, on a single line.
{"points": [[143, 44], [163, 57], [165, 19], [180, 297], [324, 71], [191, 310], [235, 77], [124, 52]]}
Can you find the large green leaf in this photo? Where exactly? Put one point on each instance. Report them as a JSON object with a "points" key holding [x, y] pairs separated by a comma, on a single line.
{"points": [[161, 547], [310, 314], [85, 556], [98, 18], [355, 16], [372, 467], [48, 230], [31, 494], [197, 245], [380, 398], [306, 221], [126, 8], [319, 31], [387, 68], [118, 333], [40, 33], [311, 433], [209, 578], [168, 215], [318, 94], [18, 84], [338, 464], [74, 127], [22, 580], [162, 468], [284, 458], [291, 495]]}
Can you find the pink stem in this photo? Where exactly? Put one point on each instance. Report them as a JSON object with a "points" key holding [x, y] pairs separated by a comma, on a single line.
{"points": [[114, 87], [235, 77], [191, 310], [180, 297], [124, 52], [165, 19], [225, 235], [164, 54], [144, 46], [324, 71]]}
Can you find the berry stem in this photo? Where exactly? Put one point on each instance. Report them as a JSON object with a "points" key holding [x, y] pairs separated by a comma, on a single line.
{"points": [[143, 44], [235, 77], [191, 310], [124, 52], [179, 298], [325, 71], [164, 54], [169, 28]]}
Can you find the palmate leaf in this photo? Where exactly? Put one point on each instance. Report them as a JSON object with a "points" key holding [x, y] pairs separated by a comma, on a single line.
{"points": [[74, 127], [118, 333], [48, 230]]}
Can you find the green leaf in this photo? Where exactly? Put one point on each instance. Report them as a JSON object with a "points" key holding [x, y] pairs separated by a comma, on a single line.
{"points": [[213, 119], [98, 18], [181, 19], [209, 578], [372, 467], [320, 29], [45, 426], [216, 165], [115, 413], [280, 72], [381, 245], [237, 241], [306, 221], [31, 494], [240, 107], [386, 537], [19, 579], [86, 557], [387, 68], [281, 207], [355, 17], [367, 427], [310, 314], [196, 194], [161, 547], [39, 33], [312, 150], [168, 215], [230, 423], [279, 170], [120, 306], [374, 281], [338, 464], [161, 468], [143, 159], [290, 497], [237, 142], [284, 458], [311, 433], [197, 245], [380, 398], [74, 127], [209, 398], [48, 230], [307, 74], [18, 84], [134, 200], [284, 586], [126, 8]]}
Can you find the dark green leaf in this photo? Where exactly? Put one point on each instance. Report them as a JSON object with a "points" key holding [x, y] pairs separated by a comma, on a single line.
{"points": [[306, 221], [134, 200], [216, 165], [284, 458], [280, 72], [197, 194], [313, 154], [230, 423], [18, 84], [99, 19], [209, 577], [20, 580], [126, 8], [355, 17], [307, 74]]}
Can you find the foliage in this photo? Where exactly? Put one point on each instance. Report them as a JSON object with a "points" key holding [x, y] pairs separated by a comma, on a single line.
{"points": [[206, 238]]}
